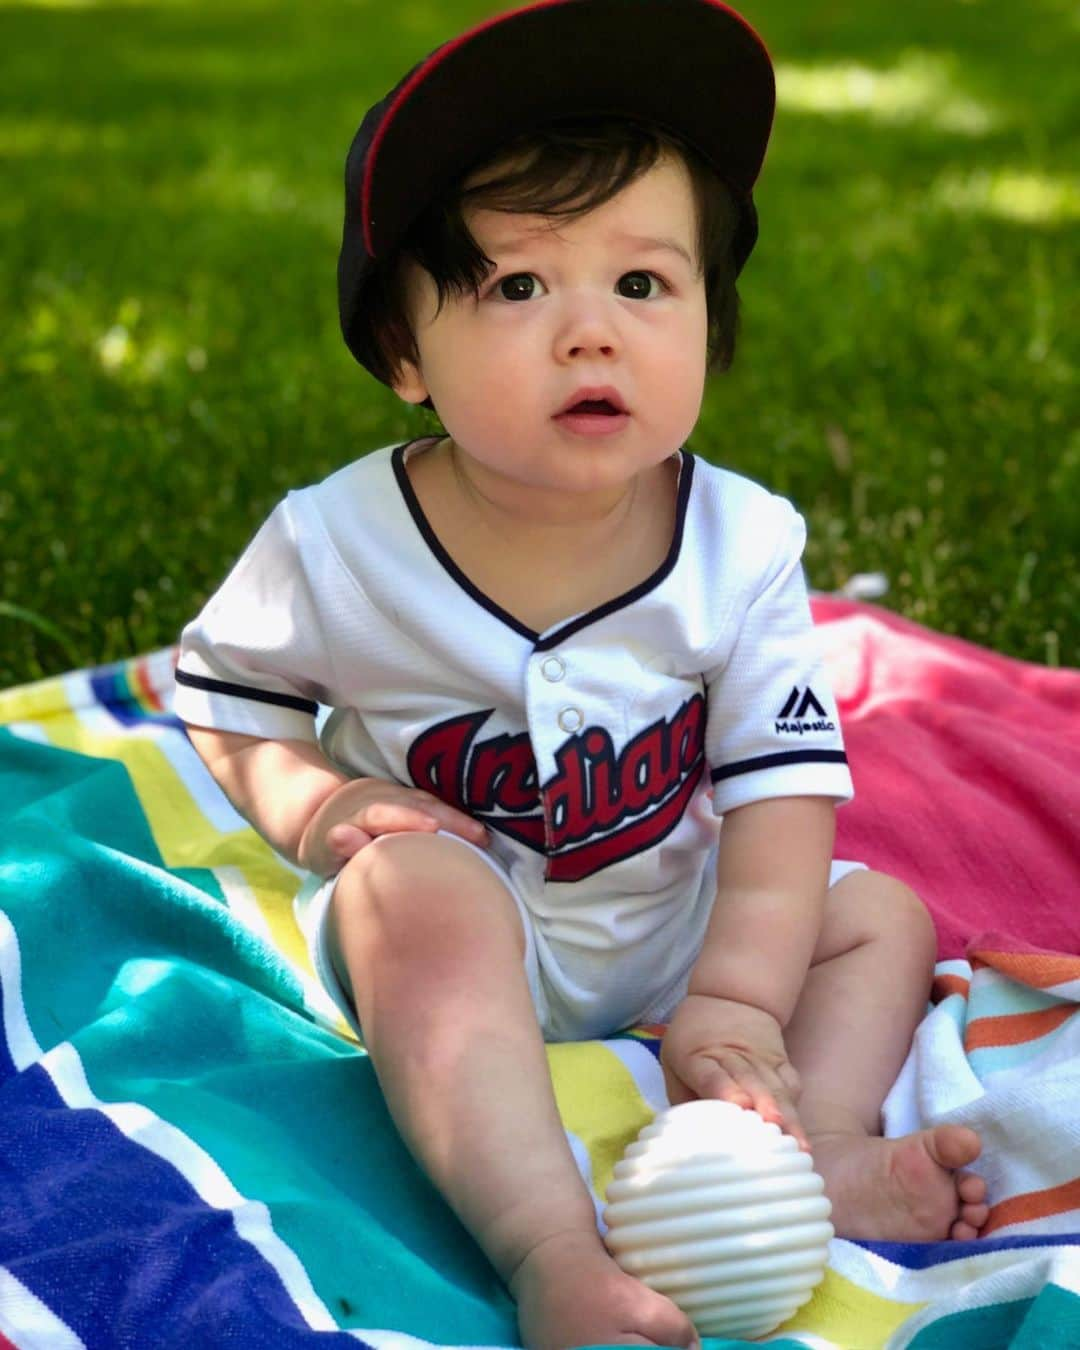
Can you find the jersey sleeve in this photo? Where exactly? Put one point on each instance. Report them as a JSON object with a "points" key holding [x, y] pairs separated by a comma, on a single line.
{"points": [[255, 660], [772, 727]]}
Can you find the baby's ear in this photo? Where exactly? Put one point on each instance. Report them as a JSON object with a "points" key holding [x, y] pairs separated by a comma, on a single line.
{"points": [[409, 384]]}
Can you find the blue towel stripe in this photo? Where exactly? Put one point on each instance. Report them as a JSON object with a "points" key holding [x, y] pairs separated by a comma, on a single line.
{"points": [[172, 1260], [923, 1255]]}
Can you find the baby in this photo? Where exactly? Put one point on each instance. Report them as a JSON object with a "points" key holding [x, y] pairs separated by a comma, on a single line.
{"points": [[558, 649]]}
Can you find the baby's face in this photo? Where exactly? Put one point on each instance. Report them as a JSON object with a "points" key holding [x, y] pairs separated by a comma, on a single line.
{"points": [[608, 308]]}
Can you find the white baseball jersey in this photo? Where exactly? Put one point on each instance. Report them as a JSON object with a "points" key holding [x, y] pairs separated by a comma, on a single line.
{"points": [[599, 753]]}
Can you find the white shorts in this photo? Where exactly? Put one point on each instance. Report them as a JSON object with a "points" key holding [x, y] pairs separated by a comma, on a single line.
{"points": [[312, 909]]}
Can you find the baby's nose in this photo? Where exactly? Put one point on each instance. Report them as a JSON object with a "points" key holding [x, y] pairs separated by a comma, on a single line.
{"points": [[587, 329]]}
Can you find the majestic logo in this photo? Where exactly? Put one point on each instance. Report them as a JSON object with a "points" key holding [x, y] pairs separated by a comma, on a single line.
{"points": [[794, 716], [598, 807]]}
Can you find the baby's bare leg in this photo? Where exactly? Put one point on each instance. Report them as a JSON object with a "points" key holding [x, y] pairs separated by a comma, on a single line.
{"points": [[433, 948], [864, 996]]}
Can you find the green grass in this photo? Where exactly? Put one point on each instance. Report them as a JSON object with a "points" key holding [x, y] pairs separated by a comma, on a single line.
{"points": [[170, 362]]}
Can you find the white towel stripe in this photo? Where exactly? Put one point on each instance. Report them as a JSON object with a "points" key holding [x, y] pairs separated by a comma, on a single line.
{"points": [[28, 1323], [140, 1125]]}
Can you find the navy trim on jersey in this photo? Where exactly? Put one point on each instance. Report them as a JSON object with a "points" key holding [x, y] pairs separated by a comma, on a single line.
{"points": [[433, 543], [774, 761], [686, 474], [244, 691]]}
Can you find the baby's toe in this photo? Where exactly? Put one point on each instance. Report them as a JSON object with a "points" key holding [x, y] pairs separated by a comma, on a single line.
{"points": [[973, 1209], [953, 1146], [976, 1215], [971, 1188]]}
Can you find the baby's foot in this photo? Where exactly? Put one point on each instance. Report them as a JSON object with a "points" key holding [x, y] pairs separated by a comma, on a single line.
{"points": [[570, 1292], [903, 1190]]}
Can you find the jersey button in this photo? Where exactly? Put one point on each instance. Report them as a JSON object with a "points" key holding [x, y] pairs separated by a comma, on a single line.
{"points": [[553, 669], [571, 719]]}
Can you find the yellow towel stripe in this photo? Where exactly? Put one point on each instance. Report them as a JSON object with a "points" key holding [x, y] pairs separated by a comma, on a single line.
{"points": [[29, 702], [842, 1313], [184, 837], [599, 1101]]}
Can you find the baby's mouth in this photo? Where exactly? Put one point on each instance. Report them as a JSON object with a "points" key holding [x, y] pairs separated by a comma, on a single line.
{"points": [[597, 416], [600, 406], [594, 401], [593, 410]]}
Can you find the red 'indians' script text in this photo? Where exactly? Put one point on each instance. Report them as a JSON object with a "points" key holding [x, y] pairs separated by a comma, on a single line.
{"points": [[592, 793]]}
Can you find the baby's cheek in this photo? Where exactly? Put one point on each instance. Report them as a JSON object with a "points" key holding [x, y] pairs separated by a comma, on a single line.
{"points": [[484, 419]]}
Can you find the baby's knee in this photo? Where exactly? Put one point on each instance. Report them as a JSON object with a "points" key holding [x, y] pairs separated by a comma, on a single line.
{"points": [[896, 913], [423, 891], [389, 876]]}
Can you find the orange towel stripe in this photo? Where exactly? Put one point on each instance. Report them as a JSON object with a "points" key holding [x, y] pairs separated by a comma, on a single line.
{"points": [[1039, 970], [1034, 1205], [1015, 1028], [944, 985], [653, 1029], [146, 689]]}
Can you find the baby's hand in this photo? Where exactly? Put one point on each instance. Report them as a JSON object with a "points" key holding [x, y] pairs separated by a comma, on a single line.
{"points": [[732, 1052], [359, 811]]}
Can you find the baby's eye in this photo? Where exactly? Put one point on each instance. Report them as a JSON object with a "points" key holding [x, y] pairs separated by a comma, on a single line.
{"points": [[639, 285], [519, 286]]}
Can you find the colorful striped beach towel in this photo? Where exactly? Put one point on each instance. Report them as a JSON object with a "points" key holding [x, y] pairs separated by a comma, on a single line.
{"points": [[195, 1155]]}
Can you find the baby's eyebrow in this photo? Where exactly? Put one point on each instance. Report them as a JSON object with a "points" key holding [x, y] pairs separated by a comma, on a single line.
{"points": [[513, 245], [647, 242]]}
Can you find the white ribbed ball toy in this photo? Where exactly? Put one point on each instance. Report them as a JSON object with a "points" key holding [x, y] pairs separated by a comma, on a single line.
{"points": [[722, 1212]]}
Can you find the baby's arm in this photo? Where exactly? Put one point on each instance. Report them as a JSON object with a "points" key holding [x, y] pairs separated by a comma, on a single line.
{"points": [[312, 812], [726, 1038]]}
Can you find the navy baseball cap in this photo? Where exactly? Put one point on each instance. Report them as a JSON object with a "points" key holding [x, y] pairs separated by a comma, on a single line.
{"points": [[695, 68]]}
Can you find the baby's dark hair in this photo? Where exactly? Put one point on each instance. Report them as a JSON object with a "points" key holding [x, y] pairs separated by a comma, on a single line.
{"points": [[563, 171]]}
